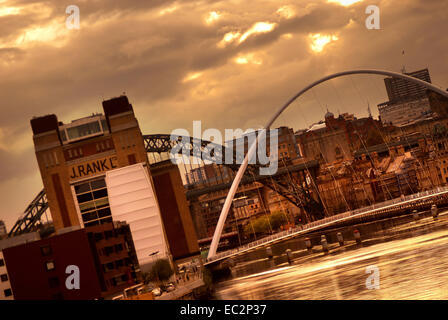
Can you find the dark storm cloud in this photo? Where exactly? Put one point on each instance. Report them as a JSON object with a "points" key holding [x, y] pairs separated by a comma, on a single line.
{"points": [[128, 46]]}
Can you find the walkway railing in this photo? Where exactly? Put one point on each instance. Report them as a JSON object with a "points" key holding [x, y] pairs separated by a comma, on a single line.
{"points": [[365, 211]]}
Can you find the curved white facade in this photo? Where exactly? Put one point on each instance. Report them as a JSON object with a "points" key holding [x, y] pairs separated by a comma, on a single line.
{"points": [[132, 199]]}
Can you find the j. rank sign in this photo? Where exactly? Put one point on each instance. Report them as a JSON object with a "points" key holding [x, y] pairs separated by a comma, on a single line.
{"points": [[92, 167]]}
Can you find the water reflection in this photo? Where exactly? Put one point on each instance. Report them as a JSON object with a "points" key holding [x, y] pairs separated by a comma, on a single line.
{"points": [[414, 268]]}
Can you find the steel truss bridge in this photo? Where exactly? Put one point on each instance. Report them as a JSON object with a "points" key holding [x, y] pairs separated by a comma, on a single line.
{"points": [[295, 189]]}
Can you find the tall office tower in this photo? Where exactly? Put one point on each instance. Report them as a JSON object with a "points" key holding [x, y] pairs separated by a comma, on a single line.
{"points": [[408, 101], [400, 90]]}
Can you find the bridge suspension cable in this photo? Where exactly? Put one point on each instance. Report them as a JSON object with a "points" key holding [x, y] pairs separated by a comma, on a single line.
{"points": [[252, 148]]}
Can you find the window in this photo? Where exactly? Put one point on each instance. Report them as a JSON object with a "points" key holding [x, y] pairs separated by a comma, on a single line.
{"points": [[109, 234], [63, 135], [99, 236], [104, 125], [7, 292], [93, 202], [83, 130], [93, 223], [108, 267], [108, 250], [4, 277], [49, 265], [53, 282], [118, 247], [45, 250], [2, 262]]}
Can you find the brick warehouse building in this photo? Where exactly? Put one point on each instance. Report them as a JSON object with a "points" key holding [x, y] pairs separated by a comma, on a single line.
{"points": [[104, 255], [82, 151], [95, 170], [41, 275]]}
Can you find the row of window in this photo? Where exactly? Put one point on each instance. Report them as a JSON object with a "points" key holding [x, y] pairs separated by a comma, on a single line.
{"points": [[98, 236], [106, 251], [103, 146], [93, 202], [50, 159], [74, 153], [110, 266], [98, 222], [126, 141], [84, 130], [78, 152], [90, 186], [118, 280]]}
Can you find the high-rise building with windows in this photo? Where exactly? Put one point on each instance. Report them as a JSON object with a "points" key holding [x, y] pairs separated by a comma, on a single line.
{"points": [[408, 101], [400, 90]]}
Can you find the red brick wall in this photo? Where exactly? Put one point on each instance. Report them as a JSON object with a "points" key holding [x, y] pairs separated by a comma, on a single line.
{"points": [[30, 279]]}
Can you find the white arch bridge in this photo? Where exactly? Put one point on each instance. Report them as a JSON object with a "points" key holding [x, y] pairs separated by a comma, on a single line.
{"points": [[38, 207]]}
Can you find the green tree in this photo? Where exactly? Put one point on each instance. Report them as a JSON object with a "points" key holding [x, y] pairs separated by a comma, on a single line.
{"points": [[161, 270], [278, 219], [261, 225]]}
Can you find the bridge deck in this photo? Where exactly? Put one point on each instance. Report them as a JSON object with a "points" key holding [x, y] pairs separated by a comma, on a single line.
{"points": [[385, 206]]}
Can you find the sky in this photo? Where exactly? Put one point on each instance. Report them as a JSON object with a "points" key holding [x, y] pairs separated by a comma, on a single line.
{"points": [[227, 63]]}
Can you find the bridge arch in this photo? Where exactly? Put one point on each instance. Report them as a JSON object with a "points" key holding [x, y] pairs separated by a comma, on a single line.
{"points": [[252, 149]]}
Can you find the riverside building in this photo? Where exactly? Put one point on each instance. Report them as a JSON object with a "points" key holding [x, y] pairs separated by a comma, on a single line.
{"points": [[95, 171]]}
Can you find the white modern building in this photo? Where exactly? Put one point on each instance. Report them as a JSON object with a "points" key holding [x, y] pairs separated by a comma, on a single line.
{"points": [[132, 199]]}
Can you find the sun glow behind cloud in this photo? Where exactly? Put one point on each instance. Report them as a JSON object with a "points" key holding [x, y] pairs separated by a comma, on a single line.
{"points": [[192, 76], [6, 11], [259, 27], [212, 17], [228, 37], [319, 41], [344, 3], [248, 58], [286, 12], [168, 10], [54, 34]]}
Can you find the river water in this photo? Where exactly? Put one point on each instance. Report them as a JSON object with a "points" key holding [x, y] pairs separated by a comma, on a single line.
{"points": [[412, 268]]}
